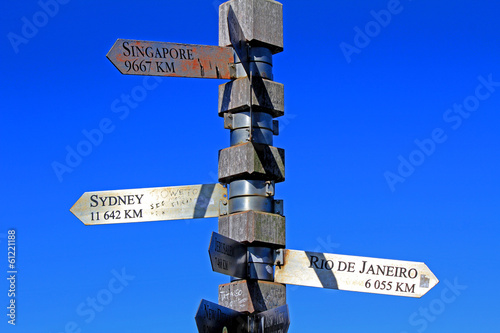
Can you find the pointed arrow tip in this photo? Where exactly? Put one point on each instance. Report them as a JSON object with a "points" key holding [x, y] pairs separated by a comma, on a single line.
{"points": [[112, 54], [77, 207], [431, 278]]}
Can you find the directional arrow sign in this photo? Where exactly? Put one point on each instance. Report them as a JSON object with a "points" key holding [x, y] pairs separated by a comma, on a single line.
{"points": [[342, 272], [139, 57], [150, 204], [274, 320], [228, 256], [212, 317]]}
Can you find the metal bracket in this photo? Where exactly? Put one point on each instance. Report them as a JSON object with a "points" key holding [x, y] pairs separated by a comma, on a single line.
{"points": [[279, 257], [276, 127], [270, 188], [278, 207], [223, 208], [228, 120], [232, 71]]}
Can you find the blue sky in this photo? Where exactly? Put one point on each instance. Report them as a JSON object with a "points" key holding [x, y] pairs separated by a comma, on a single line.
{"points": [[391, 139]]}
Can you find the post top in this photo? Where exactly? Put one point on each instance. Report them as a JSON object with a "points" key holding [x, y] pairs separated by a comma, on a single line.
{"points": [[261, 23]]}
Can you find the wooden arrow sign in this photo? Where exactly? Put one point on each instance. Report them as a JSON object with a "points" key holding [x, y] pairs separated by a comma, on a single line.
{"points": [[150, 204], [362, 274], [212, 317], [139, 57], [274, 320], [228, 256]]}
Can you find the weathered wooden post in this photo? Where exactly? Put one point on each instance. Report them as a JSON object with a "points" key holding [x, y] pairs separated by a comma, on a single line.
{"points": [[252, 165]]}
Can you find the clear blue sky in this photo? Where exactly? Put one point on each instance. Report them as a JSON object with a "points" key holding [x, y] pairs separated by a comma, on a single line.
{"points": [[362, 176]]}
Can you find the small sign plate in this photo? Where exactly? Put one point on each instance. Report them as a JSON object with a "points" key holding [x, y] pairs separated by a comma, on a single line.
{"points": [[362, 274], [139, 57], [228, 256], [274, 320], [212, 317], [150, 204]]}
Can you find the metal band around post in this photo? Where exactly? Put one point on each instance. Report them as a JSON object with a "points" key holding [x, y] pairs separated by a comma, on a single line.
{"points": [[240, 123], [260, 63], [242, 204], [260, 135], [242, 120], [260, 263], [251, 195], [261, 188]]}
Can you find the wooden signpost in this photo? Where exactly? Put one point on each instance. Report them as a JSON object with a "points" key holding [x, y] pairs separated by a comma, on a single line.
{"points": [[250, 245]]}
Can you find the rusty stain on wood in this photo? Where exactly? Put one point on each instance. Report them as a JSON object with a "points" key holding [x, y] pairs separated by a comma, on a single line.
{"points": [[136, 57]]}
